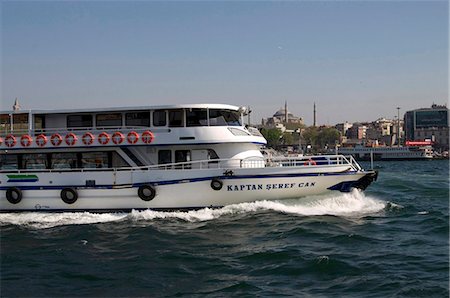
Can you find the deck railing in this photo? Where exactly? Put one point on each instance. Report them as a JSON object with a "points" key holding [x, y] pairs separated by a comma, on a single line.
{"points": [[300, 162]]}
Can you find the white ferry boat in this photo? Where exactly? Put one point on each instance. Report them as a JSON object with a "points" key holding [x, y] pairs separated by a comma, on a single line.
{"points": [[164, 157], [415, 151]]}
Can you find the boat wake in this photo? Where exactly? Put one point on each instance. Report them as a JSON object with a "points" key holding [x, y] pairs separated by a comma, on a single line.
{"points": [[353, 205]]}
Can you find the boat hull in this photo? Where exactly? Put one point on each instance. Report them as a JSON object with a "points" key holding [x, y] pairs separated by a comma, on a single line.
{"points": [[174, 191]]}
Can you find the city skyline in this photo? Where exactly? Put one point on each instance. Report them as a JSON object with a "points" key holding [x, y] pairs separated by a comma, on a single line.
{"points": [[358, 61]]}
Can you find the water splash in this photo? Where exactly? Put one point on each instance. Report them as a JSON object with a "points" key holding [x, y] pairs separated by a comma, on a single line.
{"points": [[354, 204]]}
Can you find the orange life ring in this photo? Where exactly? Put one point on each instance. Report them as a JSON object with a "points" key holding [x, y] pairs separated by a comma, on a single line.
{"points": [[87, 138], [310, 162], [103, 138], [26, 140], [117, 138], [1, 141], [56, 139], [71, 139], [147, 137], [10, 141], [132, 137], [41, 140]]}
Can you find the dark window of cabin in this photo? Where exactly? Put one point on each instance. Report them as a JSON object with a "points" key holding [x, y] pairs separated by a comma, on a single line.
{"points": [[9, 162], [183, 156], [95, 160], [102, 120], [39, 122], [196, 117], [5, 125], [20, 122], [137, 119], [176, 118], [212, 154], [164, 157], [79, 121], [224, 118], [34, 161], [159, 118], [66, 160]]}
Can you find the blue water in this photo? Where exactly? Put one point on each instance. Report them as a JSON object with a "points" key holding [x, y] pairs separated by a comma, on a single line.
{"points": [[392, 240]]}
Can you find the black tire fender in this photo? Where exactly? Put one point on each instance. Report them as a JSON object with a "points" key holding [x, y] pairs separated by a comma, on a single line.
{"points": [[69, 195], [146, 192], [216, 184], [13, 195]]}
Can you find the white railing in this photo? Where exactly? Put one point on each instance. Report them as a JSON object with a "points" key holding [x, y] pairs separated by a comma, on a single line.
{"points": [[300, 162]]}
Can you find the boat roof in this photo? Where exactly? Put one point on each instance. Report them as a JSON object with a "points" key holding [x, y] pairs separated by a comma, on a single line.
{"points": [[129, 108]]}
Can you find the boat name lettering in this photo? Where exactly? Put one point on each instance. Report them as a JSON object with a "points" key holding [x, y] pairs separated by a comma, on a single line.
{"points": [[242, 187]]}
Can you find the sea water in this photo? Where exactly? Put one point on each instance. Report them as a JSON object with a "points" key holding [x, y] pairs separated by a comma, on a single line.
{"points": [[391, 240]]}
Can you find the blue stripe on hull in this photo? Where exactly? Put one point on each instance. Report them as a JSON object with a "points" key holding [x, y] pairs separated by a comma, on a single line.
{"points": [[170, 182]]}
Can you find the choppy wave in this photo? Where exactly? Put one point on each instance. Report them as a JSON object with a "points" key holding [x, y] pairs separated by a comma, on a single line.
{"points": [[354, 204]]}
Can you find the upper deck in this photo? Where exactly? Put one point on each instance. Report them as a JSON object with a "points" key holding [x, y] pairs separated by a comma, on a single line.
{"points": [[158, 125]]}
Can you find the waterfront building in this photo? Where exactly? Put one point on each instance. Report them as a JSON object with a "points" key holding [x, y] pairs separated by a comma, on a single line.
{"points": [[428, 124], [283, 117]]}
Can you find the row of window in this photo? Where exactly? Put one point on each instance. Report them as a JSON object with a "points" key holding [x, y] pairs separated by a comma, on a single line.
{"points": [[87, 160], [66, 160], [171, 118]]}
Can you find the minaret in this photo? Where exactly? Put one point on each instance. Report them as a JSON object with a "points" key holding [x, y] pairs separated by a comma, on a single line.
{"points": [[314, 122], [16, 105], [285, 112]]}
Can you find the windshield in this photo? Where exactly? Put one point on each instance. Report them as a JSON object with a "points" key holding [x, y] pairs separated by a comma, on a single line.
{"points": [[224, 118]]}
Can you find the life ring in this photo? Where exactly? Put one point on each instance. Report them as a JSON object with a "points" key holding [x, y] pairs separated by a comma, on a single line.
{"points": [[1, 140], [216, 184], [103, 138], [132, 137], [71, 139], [87, 138], [10, 141], [117, 138], [147, 137], [56, 139], [41, 140], [14, 195], [26, 140], [146, 192], [69, 195], [310, 162]]}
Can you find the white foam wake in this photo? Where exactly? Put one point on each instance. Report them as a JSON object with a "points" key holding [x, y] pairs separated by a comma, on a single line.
{"points": [[354, 204]]}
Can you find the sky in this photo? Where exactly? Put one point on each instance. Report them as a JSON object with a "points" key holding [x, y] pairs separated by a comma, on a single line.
{"points": [[357, 60]]}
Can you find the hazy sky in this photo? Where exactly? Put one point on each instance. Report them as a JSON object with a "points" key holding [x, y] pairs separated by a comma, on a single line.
{"points": [[357, 60]]}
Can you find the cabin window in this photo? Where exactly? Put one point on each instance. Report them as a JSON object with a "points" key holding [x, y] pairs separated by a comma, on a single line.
{"points": [[34, 161], [79, 121], [20, 122], [9, 162], [118, 161], [102, 120], [137, 119], [66, 160], [224, 118], [183, 156], [196, 117], [159, 118], [39, 122], [5, 125], [212, 154], [164, 157], [176, 118], [94, 160]]}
